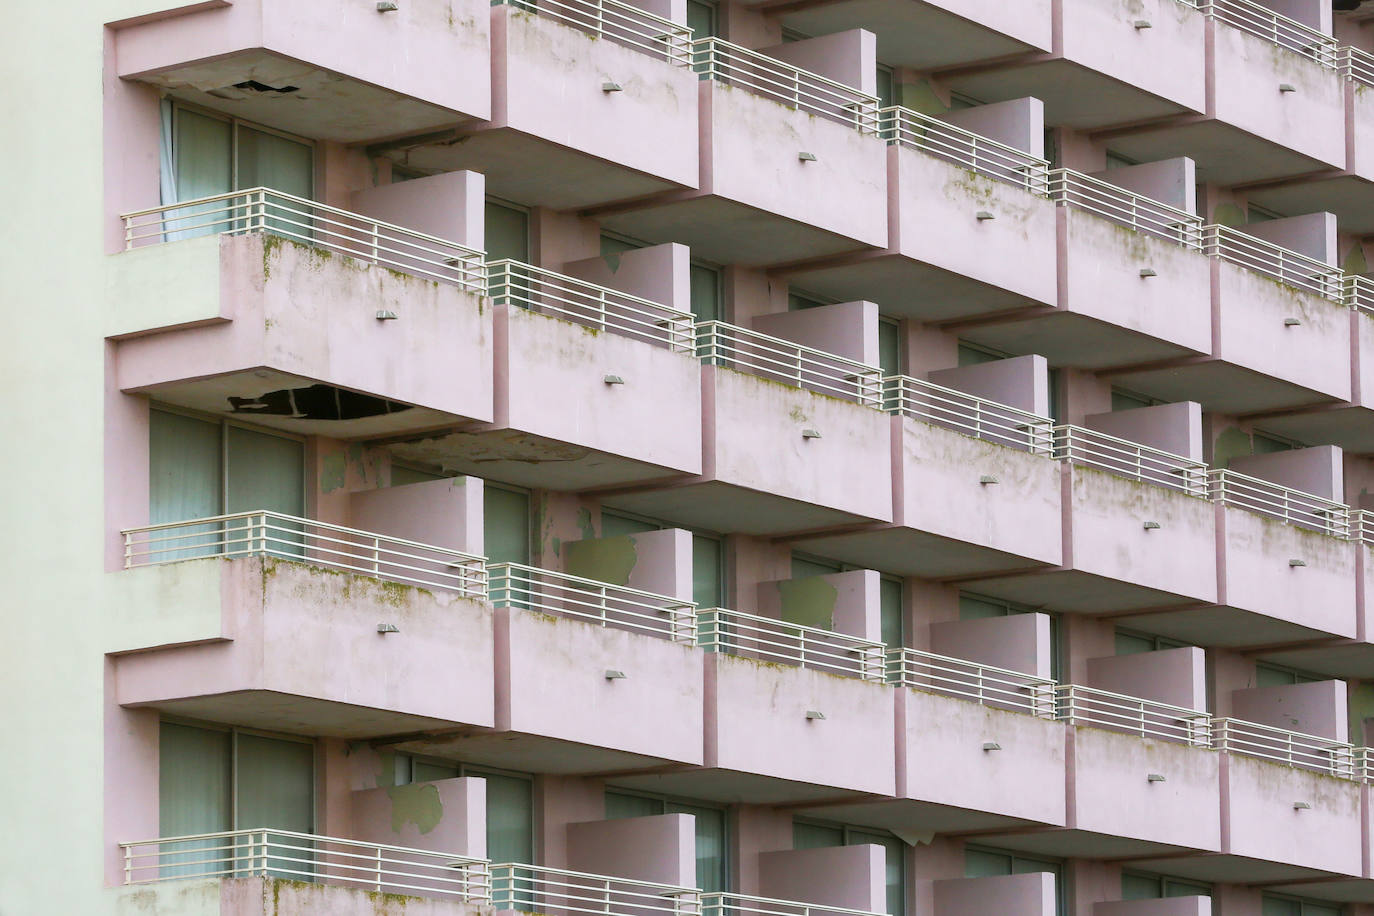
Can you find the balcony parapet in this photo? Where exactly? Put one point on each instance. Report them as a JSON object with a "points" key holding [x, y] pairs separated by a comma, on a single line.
{"points": [[287, 537], [1273, 27], [537, 888], [531, 588], [619, 22], [722, 904], [1359, 292], [1078, 705], [748, 635], [733, 65], [307, 857], [1230, 488], [1308, 752], [1124, 458], [544, 291], [1288, 267], [319, 225], [1068, 187], [1357, 65], [968, 414], [986, 685], [951, 143], [721, 344]]}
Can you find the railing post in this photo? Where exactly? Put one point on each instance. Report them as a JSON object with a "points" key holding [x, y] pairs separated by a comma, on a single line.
{"points": [[376, 247], [378, 868], [128, 865], [128, 550]]}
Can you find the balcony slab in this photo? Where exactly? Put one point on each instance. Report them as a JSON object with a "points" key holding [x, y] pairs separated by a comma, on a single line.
{"points": [[275, 897]]}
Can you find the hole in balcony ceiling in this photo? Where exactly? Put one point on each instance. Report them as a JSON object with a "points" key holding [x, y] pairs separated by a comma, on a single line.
{"points": [[255, 86], [317, 402]]}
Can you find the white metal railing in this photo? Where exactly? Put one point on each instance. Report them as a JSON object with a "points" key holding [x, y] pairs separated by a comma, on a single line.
{"points": [[536, 888], [986, 685], [721, 344], [1277, 28], [1079, 705], [534, 589], [717, 59], [272, 534], [539, 290], [1310, 752], [1364, 764], [1104, 199], [751, 636], [964, 148], [1231, 488], [1296, 270], [722, 904], [968, 414], [329, 228], [619, 22], [1357, 65], [1359, 292], [1362, 526], [307, 857], [1130, 459]]}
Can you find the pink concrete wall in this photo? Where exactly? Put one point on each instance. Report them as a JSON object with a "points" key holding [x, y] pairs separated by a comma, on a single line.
{"points": [[1361, 128], [1246, 74], [935, 218], [447, 815], [1110, 790], [546, 82], [756, 723], [1262, 822], [944, 761], [551, 681], [1258, 577], [314, 317], [844, 876], [1026, 895], [1102, 37], [659, 273], [1103, 262], [1315, 708], [848, 57], [848, 329], [1109, 538], [445, 513], [1172, 906], [1169, 181], [939, 490], [848, 468], [661, 849], [272, 609], [1018, 123], [1174, 676], [752, 145], [1174, 428], [651, 561], [1022, 382], [1312, 13], [450, 205], [1317, 470], [437, 51], [654, 417], [1312, 234], [846, 602], [1020, 642]]}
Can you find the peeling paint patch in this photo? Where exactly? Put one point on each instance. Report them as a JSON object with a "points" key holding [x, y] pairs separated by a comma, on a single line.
{"points": [[1232, 443], [604, 559], [417, 804], [809, 602], [333, 470]]}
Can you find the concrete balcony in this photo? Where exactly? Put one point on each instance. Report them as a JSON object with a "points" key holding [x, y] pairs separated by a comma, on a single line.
{"points": [[314, 71], [791, 165], [591, 103], [1121, 62], [271, 896], [590, 677], [972, 232], [817, 450], [306, 318], [211, 619], [976, 489], [623, 366]]}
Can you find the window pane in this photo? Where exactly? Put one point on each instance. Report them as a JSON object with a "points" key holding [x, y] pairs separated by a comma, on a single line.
{"points": [[1266, 676], [979, 863], [884, 86], [427, 771], [193, 780], [972, 356], [507, 233], [1264, 445], [701, 18], [705, 285], [889, 348], [1139, 887], [1174, 888], [802, 568], [971, 608], [276, 784], [617, 525], [269, 161], [612, 245], [707, 587], [1123, 401], [710, 836], [183, 468], [890, 608], [620, 805], [1273, 906], [510, 819], [815, 836], [506, 525], [402, 475], [203, 163], [265, 472], [1131, 644], [894, 854]]}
